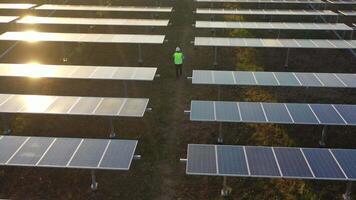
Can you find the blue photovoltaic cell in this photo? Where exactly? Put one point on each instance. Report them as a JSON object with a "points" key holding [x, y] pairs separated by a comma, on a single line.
{"points": [[202, 76], [261, 161], [244, 78], [348, 112], [202, 110], [329, 80], [287, 79], [251, 112], [265, 78], [301, 113], [201, 159], [89, 153], [327, 114], [227, 111], [277, 113], [223, 77], [231, 160], [347, 161], [60, 152], [123, 149], [322, 163], [292, 162], [348, 79], [308, 79], [8, 146], [31, 151]]}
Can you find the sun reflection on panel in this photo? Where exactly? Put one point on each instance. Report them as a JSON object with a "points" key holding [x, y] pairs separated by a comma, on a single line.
{"points": [[34, 70], [35, 103]]}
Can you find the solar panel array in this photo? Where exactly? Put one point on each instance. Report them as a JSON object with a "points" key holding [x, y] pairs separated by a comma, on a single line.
{"points": [[271, 162], [109, 154], [104, 8], [223, 11], [265, 1], [82, 37], [92, 21], [295, 79], [276, 113], [273, 25], [78, 72], [71, 105], [275, 43]]}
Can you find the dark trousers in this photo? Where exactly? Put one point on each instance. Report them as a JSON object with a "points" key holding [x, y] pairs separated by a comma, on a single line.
{"points": [[179, 70]]}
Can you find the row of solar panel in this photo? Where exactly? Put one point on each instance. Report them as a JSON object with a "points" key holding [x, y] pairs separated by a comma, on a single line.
{"points": [[82, 37], [224, 11], [296, 79], [85, 7], [66, 152], [339, 2], [282, 113], [274, 43], [266, 1], [92, 21], [70, 105], [273, 162], [272, 25], [78, 72]]}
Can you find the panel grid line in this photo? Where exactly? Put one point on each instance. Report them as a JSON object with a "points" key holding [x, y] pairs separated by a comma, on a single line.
{"points": [[285, 105], [75, 151], [216, 159], [318, 79], [44, 154], [338, 164], [122, 106], [314, 113], [247, 164], [18, 149], [339, 114], [97, 106], [275, 158], [338, 78], [102, 156], [264, 112], [306, 160]]}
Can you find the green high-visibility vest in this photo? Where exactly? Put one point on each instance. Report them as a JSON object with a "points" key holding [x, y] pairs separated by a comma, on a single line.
{"points": [[178, 58]]}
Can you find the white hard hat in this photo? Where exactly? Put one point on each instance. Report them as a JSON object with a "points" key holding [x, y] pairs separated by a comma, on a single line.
{"points": [[177, 49]]}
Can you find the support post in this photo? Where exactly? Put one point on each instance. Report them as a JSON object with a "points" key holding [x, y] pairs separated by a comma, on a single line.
{"points": [[112, 128], [140, 54], [347, 194], [287, 58], [225, 191], [221, 136], [94, 184], [323, 136], [279, 33], [215, 56], [64, 56]]}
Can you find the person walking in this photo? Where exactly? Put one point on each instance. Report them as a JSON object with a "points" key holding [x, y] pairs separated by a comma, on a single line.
{"points": [[178, 58]]}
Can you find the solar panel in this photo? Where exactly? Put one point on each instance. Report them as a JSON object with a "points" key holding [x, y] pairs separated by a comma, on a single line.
{"points": [[278, 113], [295, 79], [7, 19], [66, 152], [220, 11], [271, 162], [350, 13], [92, 21], [70, 105], [265, 1], [342, 2], [275, 43], [16, 6], [82, 37], [272, 25], [77, 72], [103, 8]]}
